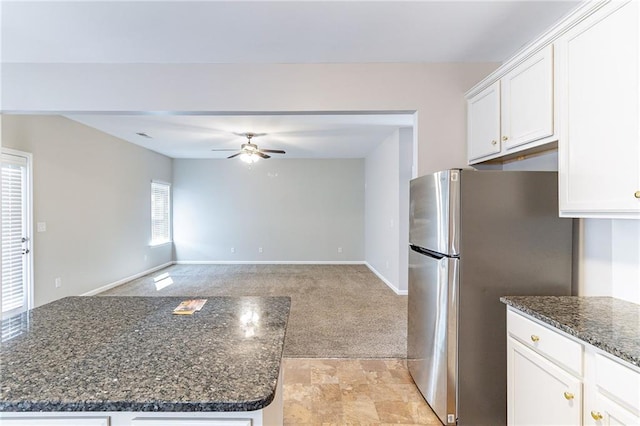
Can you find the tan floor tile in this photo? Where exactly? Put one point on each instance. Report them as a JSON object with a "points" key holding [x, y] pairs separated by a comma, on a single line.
{"points": [[327, 392], [422, 414], [360, 411], [353, 376], [297, 413], [394, 412], [355, 392], [299, 392], [345, 392], [369, 365], [328, 412], [385, 392]]}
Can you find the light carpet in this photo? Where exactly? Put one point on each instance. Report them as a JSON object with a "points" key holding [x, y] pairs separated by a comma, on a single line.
{"points": [[337, 311]]}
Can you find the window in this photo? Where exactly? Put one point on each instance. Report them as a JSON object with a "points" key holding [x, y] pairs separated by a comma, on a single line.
{"points": [[160, 213]]}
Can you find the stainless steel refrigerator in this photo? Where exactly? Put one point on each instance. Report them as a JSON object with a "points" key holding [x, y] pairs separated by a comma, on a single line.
{"points": [[475, 236]]}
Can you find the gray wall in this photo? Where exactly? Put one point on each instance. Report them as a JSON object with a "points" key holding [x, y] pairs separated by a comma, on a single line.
{"points": [[387, 173], [93, 192], [296, 210]]}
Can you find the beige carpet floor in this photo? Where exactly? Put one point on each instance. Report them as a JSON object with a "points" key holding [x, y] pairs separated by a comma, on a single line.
{"points": [[337, 311]]}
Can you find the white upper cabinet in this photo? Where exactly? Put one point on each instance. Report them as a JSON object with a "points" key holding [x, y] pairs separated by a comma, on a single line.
{"points": [[598, 90], [527, 101], [513, 113], [483, 127], [577, 88]]}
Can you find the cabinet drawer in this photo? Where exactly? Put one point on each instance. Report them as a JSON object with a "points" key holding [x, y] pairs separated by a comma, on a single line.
{"points": [[619, 381], [558, 348]]}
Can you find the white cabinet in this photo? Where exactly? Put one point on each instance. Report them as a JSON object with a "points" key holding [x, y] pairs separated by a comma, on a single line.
{"points": [[483, 123], [616, 394], [598, 93], [513, 113], [605, 412], [555, 379], [527, 101], [544, 369], [540, 392]]}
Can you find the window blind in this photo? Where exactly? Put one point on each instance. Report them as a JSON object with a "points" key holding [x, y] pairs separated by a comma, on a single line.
{"points": [[14, 294], [160, 213]]}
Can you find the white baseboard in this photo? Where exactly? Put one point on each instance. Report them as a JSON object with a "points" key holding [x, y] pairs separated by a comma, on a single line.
{"points": [[270, 262], [126, 280], [386, 281]]}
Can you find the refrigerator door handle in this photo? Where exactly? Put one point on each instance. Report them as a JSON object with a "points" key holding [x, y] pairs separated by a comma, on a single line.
{"points": [[427, 252]]}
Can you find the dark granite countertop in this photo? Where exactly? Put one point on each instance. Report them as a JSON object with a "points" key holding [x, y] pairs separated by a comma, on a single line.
{"points": [[610, 324], [133, 354]]}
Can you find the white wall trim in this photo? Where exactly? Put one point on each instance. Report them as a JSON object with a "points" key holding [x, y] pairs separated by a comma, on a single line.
{"points": [[387, 282], [126, 280], [270, 262]]}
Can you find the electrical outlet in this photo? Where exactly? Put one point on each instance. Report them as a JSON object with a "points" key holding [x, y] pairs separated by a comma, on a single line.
{"points": [[339, 249], [259, 249], [233, 249], [41, 226], [58, 282]]}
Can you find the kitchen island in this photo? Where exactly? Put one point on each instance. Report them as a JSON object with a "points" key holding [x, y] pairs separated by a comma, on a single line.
{"points": [[130, 361]]}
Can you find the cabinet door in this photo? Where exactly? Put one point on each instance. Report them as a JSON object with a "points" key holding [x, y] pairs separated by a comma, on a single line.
{"points": [[483, 123], [598, 97], [527, 100], [605, 412], [538, 391]]}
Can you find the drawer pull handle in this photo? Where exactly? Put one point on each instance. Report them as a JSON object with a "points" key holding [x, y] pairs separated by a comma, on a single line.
{"points": [[637, 194], [534, 338], [596, 415], [494, 142], [568, 396]]}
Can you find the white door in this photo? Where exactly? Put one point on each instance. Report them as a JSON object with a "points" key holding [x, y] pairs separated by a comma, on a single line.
{"points": [[16, 293]]}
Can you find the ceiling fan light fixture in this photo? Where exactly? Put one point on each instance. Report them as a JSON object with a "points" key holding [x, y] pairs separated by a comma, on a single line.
{"points": [[249, 157]]}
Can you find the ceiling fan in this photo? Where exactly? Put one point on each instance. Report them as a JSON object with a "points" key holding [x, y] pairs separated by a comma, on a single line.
{"points": [[249, 152]]}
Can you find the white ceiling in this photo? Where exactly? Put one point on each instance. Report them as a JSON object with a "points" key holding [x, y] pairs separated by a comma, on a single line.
{"points": [[272, 31], [301, 136], [265, 31]]}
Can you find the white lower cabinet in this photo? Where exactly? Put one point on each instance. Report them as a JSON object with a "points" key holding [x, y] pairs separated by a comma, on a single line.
{"points": [[556, 379], [604, 412], [540, 392]]}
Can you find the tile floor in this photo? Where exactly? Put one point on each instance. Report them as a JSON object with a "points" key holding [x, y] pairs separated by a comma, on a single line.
{"points": [[352, 392]]}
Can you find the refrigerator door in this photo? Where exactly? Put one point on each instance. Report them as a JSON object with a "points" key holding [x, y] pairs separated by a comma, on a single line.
{"points": [[432, 330], [434, 212]]}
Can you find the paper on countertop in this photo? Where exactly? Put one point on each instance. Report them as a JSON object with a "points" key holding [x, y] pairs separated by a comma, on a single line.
{"points": [[188, 307]]}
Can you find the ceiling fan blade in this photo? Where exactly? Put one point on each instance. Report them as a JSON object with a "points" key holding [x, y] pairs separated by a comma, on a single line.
{"points": [[234, 155], [273, 151], [230, 149], [260, 154]]}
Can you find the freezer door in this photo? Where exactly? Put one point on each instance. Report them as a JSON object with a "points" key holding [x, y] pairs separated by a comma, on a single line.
{"points": [[434, 212], [432, 331]]}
